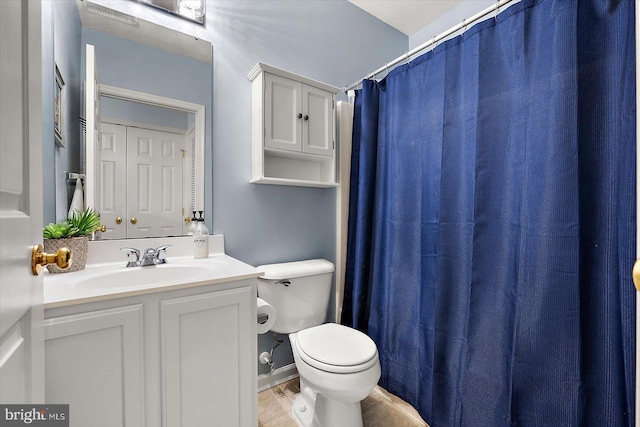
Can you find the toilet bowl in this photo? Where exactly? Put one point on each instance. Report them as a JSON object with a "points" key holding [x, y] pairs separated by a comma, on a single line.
{"points": [[338, 368], [338, 365]]}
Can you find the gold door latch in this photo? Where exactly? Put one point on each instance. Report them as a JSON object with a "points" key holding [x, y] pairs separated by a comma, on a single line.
{"points": [[636, 274], [62, 259]]}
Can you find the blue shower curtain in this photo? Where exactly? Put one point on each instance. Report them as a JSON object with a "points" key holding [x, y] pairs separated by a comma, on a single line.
{"points": [[492, 220]]}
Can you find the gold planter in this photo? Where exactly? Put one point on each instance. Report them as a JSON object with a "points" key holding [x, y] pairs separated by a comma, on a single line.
{"points": [[79, 247]]}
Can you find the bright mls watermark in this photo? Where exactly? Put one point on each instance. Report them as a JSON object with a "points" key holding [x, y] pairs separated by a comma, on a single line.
{"points": [[34, 415]]}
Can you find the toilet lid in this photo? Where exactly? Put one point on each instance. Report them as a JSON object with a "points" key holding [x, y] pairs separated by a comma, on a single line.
{"points": [[337, 345]]}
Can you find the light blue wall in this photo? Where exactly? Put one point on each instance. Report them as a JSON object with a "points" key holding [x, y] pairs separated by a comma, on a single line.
{"points": [[63, 20], [464, 10], [118, 109], [327, 40]]}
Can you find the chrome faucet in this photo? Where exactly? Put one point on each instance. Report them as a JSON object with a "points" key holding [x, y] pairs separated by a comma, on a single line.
{"points": [[150, 256]]}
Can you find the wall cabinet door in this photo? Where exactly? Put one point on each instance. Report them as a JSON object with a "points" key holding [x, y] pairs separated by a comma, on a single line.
{"points": [[283, 113], [93, 362], [206, 345], [317, 130], [298, 117]]}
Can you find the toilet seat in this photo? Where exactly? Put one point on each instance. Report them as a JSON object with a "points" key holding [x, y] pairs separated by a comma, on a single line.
{"points": [[335, 348]]}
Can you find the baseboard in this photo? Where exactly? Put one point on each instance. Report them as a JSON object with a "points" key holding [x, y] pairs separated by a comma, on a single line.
{"points": [[276, 377]]}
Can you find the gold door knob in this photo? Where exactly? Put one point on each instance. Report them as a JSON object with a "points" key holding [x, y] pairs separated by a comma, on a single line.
{"points": [[119, 220], [636, 274], [133, 220], [62, 259], [103, 228], [187, 219]]}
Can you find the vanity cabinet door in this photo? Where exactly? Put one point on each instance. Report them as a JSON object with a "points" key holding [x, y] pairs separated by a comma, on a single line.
{"points": [[207, 341], [93, 362]]}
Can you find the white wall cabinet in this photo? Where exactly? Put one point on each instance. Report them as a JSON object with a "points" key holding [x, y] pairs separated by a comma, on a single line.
{"points": [[293, 129], [172, 359]]}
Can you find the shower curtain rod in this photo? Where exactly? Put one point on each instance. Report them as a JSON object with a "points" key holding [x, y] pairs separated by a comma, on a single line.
{"points": [[434, 40]]}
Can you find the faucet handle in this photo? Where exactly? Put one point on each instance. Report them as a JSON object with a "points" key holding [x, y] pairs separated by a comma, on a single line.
{"points": [[161, 254], [133, 256]]}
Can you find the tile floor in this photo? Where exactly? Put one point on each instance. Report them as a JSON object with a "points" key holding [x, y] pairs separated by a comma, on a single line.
{"points": [[379, 409]]}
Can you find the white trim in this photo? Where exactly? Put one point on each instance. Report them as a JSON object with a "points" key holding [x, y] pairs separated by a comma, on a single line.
{"points": [[279, 376], [161, 101], [141, 125], [90, 134], [292, 182], [260, 67]]}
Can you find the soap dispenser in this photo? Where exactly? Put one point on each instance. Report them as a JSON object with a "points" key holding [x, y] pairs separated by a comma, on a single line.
{"points": [[200, 238]]}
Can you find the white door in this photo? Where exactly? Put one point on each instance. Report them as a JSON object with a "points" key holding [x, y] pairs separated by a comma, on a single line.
{"points": [[111, 188], [21, 293], [283, 113], [317, 125], [154, 177]]}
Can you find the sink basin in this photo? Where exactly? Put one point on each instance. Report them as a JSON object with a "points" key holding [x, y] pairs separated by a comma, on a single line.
{"points": [[135, 276]]}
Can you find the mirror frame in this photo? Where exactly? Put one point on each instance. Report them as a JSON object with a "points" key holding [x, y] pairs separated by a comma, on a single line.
{"points": [[159, 101]]}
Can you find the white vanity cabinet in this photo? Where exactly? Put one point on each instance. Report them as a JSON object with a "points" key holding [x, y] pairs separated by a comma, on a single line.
{"points": [[293, 129], [176, 358]]}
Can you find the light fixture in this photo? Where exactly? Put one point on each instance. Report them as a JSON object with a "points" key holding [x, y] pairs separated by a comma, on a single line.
{"points": [[193, 10]]}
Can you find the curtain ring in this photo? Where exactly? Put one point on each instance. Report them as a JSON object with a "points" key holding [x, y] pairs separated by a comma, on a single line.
{"points": [[406, 56], [464, 26], [496, 11]]}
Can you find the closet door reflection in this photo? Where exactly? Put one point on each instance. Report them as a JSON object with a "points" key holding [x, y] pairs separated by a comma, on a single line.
{"points": [[141, 173], [112, 183]]}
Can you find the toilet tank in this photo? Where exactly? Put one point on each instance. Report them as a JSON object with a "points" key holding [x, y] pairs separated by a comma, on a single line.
{"points": [[299, 291]]}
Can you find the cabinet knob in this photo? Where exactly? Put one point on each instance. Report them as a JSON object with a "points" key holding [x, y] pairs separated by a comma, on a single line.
{"points": [[306, 117], [299, 115], [133, 220], [119, 220]]}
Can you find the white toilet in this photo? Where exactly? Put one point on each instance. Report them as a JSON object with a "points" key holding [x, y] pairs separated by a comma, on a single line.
{"points": [[338, 365]]}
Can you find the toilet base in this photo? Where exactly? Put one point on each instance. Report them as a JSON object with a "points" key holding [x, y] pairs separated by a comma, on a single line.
{"points": [[322, 411]]}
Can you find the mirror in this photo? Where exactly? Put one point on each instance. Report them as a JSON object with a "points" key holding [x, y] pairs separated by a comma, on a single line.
{"points": [[148, 77]]}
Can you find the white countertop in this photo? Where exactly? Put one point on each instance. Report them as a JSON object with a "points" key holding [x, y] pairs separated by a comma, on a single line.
{"points": [[99, 282]]}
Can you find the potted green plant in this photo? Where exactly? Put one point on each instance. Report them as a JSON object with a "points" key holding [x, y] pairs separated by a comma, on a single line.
{"points": [[74, 233]]}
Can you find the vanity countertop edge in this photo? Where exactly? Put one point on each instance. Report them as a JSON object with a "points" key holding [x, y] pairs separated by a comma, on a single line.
{"points": [[66, 289]]}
